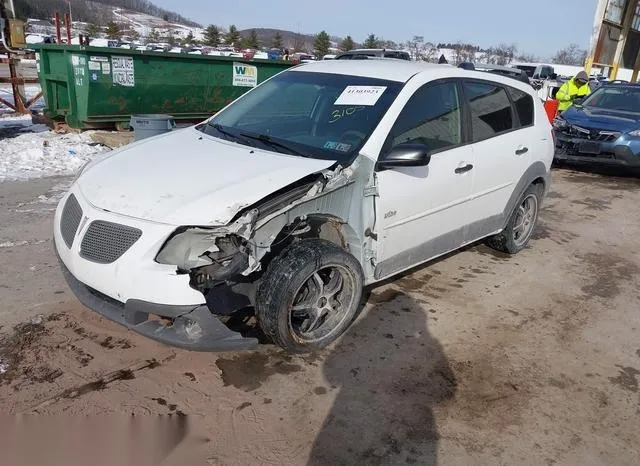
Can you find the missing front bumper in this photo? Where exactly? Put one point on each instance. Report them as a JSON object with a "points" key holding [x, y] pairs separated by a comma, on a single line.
{"points": [[193, 327]]}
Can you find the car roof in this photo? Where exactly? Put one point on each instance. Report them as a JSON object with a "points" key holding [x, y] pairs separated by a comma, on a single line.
{"points": [[384, 68], [402, 71]]}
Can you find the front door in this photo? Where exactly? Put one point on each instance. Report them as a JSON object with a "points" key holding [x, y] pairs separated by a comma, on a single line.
{"points": [[421, 211]]}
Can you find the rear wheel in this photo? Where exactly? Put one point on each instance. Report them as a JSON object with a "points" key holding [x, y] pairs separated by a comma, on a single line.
{"points": [[515, 237], [309, 295]]}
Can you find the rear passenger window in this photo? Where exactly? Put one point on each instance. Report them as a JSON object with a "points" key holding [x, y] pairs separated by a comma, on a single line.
{"points": [[524, 105], [431, 117], [491, 111]]}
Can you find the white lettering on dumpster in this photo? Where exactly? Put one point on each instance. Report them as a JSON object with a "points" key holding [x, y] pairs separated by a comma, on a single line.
{"points": [[122, 71], [245, 75]]}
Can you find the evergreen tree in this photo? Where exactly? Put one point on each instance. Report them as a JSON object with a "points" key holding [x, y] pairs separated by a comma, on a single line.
{"points": [[113, 31], [321, 44], [276, 41], [93, 30], [252, 41], [347, 44], [212, 36], [233, 36], [371, 42]]}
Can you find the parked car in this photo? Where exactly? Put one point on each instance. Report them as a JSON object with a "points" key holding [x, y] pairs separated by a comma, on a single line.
{"points": [[604, 129], [514, 73], [379, 53], [324, 179]]}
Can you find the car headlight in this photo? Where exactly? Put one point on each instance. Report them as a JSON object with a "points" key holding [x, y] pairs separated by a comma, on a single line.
{"points": [[559, 123], [635, 133], [200, 247]]}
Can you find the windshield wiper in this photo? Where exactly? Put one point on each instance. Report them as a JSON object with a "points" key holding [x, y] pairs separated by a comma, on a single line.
{"points": [[275, 144], [219, 128]]}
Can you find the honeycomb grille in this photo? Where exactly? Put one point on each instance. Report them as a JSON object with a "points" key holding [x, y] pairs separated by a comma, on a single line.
{"points": [[105, 242], [71, 216]]}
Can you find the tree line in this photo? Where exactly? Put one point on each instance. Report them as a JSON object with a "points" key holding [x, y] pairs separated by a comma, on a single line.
{"points": [[502, 54]]}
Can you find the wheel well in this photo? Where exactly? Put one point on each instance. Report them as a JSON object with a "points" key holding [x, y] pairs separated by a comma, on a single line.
{"points": [[327, 227], [539, 182]]}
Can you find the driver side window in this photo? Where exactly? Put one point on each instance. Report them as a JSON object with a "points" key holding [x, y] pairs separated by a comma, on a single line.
{"points": [[430, 117]]}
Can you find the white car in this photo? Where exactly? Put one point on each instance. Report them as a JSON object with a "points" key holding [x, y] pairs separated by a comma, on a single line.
{"points": [[320, 181]]}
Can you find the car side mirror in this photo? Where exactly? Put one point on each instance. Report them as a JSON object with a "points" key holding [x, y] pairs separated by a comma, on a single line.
{"points": [[406, 155], [578, 101]]}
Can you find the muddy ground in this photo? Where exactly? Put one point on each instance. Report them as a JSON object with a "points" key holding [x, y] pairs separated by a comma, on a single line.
{"points": [[478, 358]]}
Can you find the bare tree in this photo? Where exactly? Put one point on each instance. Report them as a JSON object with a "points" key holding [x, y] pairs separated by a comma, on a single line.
{"points": [[571, 55], [505, 53]]}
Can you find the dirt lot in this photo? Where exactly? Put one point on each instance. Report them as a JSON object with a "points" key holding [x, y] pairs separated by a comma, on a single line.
{"points": [[475, 359]]}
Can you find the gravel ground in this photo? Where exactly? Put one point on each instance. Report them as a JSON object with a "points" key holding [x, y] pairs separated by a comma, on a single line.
{"points": [[477, 358]]}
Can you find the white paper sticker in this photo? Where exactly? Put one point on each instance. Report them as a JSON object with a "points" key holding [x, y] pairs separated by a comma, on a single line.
{"points": [[360, 95], [94, 65], [75, 60], [96, 58], [245, 75], [106, 68], [123, 71]]}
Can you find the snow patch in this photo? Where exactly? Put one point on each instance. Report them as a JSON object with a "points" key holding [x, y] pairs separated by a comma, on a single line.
{"points": [[41, 154]]}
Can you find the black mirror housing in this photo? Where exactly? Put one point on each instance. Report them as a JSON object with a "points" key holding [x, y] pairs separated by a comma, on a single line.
{"points": [[406, 155]]}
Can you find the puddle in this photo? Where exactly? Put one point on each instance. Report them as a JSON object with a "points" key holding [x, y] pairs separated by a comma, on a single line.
{"points": [[249, 371]]}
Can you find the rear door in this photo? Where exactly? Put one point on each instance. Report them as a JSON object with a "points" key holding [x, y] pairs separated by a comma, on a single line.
{"points": [[502, 146]]}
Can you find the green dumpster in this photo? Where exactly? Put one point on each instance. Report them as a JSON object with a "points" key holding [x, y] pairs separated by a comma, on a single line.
{"points": [[96, 87]]}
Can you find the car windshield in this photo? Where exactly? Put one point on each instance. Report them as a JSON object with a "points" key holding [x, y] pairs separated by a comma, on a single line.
{"points": [[317, 115], [622, 99]]}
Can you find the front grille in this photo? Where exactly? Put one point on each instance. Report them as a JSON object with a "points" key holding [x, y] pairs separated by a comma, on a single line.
{"points": [[592, 134], [105, 242], [71, 216]]}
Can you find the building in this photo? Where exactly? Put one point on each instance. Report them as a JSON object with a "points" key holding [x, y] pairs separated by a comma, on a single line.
{"points": [[615, 42]]}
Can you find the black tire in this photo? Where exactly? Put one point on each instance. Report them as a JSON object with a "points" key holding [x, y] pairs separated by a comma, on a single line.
{"points": [[289, 276], [507, 240]]}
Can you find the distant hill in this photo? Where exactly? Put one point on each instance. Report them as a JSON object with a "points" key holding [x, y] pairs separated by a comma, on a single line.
{"points": [[289, 38], [94, 11]]}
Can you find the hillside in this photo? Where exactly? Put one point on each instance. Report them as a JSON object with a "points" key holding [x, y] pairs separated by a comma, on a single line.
{"points": [[94, 11], [290, 39]]}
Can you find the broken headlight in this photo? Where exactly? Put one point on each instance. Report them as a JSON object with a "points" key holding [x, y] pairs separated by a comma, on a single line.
{"points": [[200, 247]]}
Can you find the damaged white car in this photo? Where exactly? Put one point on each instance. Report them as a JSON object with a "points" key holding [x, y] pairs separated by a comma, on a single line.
{"points": [[324, 179]]}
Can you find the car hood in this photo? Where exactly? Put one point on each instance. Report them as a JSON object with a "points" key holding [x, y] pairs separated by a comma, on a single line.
{"points": [[598, 118], [188, 178]]}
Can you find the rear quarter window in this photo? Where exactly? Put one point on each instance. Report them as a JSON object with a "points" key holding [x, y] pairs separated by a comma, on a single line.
{"points": [[523, 103], [491, 111]]}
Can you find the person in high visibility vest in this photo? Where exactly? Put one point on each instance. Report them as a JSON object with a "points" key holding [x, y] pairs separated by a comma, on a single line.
{"points": [[576, 88]]}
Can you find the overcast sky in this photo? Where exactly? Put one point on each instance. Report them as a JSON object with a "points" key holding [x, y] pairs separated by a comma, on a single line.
{"points": [[540, 27]]}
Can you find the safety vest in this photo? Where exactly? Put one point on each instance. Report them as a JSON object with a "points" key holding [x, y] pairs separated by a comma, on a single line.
{"points": [[569, 91]]}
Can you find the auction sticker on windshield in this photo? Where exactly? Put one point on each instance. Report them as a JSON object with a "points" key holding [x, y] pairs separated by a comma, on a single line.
{"points": [[122, 71], [360, 95]]}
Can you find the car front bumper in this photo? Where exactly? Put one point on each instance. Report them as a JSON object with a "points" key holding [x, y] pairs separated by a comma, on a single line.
{"points": [[607, 153], [134, 288]]}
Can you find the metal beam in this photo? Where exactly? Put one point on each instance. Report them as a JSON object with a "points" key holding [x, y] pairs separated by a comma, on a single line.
{"points": [[601, 9], [624, 33]]}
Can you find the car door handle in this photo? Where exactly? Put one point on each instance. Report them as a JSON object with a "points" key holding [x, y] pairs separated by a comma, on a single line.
{"points": [[463, 169], [522, 150]]}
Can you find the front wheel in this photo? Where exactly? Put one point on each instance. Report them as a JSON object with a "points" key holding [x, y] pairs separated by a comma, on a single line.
{"points": [[309, 295], [516, 235]]}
